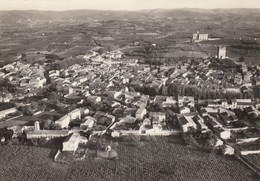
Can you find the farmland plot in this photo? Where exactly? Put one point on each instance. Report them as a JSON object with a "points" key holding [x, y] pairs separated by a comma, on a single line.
{"points": [[158, 159], [152, 158], [28, 163]]}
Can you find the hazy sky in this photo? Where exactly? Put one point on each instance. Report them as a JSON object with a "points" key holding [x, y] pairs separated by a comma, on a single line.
{"points": [[124, 4]]}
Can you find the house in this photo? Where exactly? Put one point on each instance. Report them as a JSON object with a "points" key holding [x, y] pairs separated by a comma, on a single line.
{"points": [[187, 123], [71, 142], [93, 99], [114, 95], [99, 114], [186, 101], [165, 90], [229, 150], [184, 110], [125, 81], [241, 103], [47, 134], [228, 118], [157, 117], [145, 126], [156, 85], [140, 113], [26, 129], [111, 118], [238, 79], [89, 122], [54, 73], [214, 103], [248, 78], [90, 54], [156, 128], [75, 114], [117, 55], [17, 130], [129, 111], [200, 122], [169, 102], [115, 134], [223, 133], [37, 82], [257, 80], [143, 101], [158, 100], [233, 89], [208, 110], [219, 142], [4, 99], [200, 37], [64, 121], [128, 120]]}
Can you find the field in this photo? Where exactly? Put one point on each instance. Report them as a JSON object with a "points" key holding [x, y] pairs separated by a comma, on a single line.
{"points": [[22, 120], [72, 33], [254, 158], [152, 158], [29, 163]]}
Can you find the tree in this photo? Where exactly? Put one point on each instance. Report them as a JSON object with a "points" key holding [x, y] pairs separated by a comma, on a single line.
{"points": [[101, 51], [242, 59], [26, 110], [54, 97]]}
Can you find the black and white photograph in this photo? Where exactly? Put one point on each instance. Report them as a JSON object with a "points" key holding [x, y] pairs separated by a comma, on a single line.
{"points": [[129, 90]]}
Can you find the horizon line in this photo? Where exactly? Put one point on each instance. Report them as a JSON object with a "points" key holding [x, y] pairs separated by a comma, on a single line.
{"points": [[256, 8]]}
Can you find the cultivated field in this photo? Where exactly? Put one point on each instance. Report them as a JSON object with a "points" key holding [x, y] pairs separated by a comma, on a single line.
{"points": [[152, 158], [29, 163]]}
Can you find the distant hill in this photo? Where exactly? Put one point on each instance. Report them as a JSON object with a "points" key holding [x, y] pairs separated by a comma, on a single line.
{"points": [[81, 15]]}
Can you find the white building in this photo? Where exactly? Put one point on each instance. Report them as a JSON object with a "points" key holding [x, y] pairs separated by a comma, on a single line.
{"points": [[64, 121], [37, 82], [140, 113], [199, 120], [46, 134], [200, 37], [225, 134], [71, 142], [75, 114], [241, 103], [170, 101], [186, 101], [229, 150], [89, 123], [157, 117], [93, 99], [184, 110]]}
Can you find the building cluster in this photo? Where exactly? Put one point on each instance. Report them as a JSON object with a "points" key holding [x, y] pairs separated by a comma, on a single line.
{"points": [[25, 79], [124, 96]]}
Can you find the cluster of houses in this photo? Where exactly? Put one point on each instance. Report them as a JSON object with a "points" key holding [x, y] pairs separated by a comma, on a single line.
{"points": [[124, 96], [26, 79]]}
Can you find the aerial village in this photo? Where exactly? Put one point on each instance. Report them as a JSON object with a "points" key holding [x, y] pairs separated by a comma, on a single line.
{"points": [[207, 101]]}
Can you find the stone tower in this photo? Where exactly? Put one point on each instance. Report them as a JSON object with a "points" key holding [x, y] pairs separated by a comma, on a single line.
{"points": [[221, 52], [36, 126]]}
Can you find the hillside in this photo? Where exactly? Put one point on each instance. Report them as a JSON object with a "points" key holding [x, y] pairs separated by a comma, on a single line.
{"points": [[60, 31]]}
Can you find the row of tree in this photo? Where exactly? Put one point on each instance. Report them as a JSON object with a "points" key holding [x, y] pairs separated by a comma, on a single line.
{"points": [[63, 64]]}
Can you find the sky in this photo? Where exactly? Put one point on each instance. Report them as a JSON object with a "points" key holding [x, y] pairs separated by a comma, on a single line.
{"points": [[60, 5]]}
